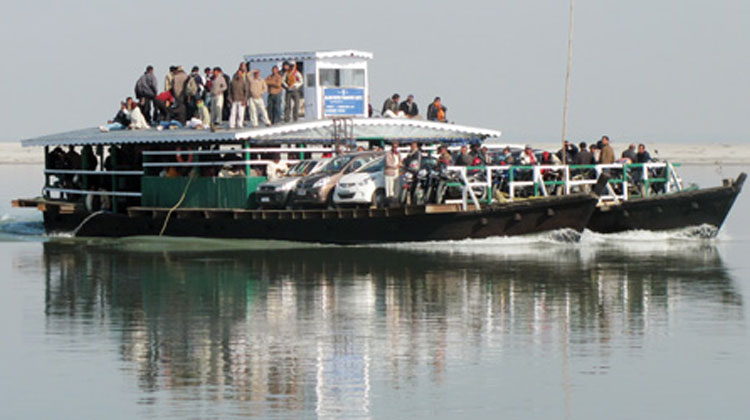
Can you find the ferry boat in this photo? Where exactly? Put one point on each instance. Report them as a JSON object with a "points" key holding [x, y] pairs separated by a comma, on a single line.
{"points": [[151, 182], [128, 193]]}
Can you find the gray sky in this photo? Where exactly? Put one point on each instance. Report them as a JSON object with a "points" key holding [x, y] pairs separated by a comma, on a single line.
{"points": [[648, 70]]}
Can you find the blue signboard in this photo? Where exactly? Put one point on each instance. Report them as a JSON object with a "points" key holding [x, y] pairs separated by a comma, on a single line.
{"points": [[343, 101]]}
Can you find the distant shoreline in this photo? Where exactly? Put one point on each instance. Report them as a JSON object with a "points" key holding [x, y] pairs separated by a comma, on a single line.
{"points": [[12, 153]]}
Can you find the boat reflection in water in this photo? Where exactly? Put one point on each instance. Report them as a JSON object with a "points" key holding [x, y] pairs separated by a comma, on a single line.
{"points": [[348, 331]]}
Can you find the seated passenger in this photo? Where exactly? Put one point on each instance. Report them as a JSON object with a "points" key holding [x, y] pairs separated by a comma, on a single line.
{"points": [[229, 171], [390, 107], [482, 157], [203, 119], [137, 119], [276, 168], [549, 159], [162, 103], [120, 122], [409, 107], [169, 124], [436, 111], [444, 157], [528, 158], [508, 158], [584, 156], [463, 158]]}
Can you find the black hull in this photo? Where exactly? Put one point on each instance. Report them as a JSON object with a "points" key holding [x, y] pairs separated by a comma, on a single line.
{"points": [[669, 211], [339, 227]]}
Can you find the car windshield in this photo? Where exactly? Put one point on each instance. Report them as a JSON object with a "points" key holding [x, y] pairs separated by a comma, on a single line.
{"points": [[358, 163], [375, 166], [337, 164], [300, 168]]}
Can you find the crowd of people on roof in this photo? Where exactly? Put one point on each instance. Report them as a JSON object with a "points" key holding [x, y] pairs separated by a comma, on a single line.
{"points": [[205, 100]]}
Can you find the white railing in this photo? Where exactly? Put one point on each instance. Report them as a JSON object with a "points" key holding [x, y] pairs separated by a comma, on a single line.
{"points": [[90, 192], [214, 162], [90, 172], [583, 178]]}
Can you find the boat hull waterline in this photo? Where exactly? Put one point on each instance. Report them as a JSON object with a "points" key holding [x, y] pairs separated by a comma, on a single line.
{"points": [[348, 226], [707, 206]]}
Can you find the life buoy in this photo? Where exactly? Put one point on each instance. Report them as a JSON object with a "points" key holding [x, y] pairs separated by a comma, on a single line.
{"points": [[180, 157]]}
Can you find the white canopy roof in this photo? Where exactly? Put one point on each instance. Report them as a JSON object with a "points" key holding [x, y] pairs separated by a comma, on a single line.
{"points": [[298, 56], [314, 131]]}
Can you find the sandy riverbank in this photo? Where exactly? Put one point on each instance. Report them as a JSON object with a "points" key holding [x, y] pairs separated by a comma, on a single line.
{"points": [[703, 154]]}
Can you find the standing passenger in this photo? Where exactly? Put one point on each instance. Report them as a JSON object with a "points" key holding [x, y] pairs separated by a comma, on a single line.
{"points": [[391, 171], [169, 77], [607, 155], [239, 91], [218, 87], [643, 156], [179, 81], [274, 81], [146, 89], [257, 89], [292, 83], [629, 153]]}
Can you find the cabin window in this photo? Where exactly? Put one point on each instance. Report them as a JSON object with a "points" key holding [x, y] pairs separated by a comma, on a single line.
{"points": [[342, 77], [353, 77]]}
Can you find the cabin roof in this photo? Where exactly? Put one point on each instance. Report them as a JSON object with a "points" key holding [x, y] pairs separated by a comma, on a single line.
{"points": [[321, 131], [298, 56]]}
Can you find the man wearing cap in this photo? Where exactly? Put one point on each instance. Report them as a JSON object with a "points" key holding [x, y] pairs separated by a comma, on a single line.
{"points": [[292, 83], [409, 107], [257, 89]]}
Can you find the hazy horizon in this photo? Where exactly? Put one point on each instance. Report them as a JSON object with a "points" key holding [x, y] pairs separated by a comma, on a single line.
{"points": [[664, 71]]}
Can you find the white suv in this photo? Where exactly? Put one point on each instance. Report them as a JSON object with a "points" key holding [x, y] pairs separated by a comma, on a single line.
{"points": [[363, 187]]}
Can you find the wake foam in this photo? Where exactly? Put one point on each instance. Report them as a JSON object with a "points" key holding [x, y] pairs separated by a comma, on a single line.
{"points": [[14, 227]]}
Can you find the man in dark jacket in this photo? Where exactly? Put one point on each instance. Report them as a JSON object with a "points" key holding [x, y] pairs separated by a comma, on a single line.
{"points": [[409, 107], [583, 157], [570, 152], [146, 89], [643, 156], [179, 81], [629, 153], [464, 158]]}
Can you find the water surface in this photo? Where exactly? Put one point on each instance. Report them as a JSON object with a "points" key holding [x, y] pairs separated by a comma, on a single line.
{"points": [[635, 325]]}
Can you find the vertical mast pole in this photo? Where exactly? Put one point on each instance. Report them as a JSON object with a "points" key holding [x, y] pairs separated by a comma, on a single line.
{"points": [[567, 82]]}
